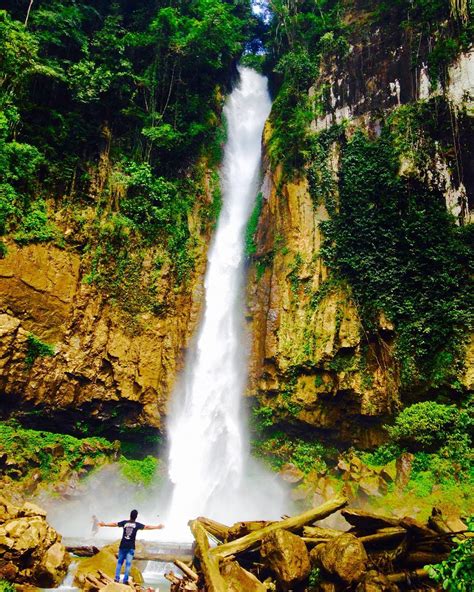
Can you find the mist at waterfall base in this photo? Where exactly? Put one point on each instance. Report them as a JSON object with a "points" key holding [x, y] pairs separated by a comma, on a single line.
{"points": [[209, 457]]}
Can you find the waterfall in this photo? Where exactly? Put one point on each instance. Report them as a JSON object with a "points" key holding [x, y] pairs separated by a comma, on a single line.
{"points": [[209, 458]]}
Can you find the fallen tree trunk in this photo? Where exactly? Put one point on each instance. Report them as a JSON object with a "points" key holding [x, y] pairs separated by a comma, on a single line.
{"points": [[187, 570], [366, 521], [408, 577], [383, 536], [320, 532], [293, 523], [216, 529], [209, 563], [419, 558], [83, 550], [240, 529]]}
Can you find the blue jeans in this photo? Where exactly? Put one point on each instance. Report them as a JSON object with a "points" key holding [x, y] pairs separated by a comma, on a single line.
{"points": [[127, 556]]}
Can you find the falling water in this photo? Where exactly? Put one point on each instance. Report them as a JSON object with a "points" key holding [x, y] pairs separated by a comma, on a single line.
{"points": [[209, 459]]}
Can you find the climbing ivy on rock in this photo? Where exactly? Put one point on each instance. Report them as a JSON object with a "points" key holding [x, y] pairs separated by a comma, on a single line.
{"points": [[402, 252]]}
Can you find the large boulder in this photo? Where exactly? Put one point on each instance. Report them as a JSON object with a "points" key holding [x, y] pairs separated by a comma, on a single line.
{"points": [[106, 561], [343, 557], [31, 551], [286, 556], [238, 579]]}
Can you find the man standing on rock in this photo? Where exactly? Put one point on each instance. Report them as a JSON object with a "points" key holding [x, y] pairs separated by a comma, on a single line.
{"points": [[127, 544]]}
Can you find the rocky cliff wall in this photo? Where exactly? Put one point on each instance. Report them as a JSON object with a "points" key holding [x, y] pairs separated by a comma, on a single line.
{"points": [[317, 367], [110, 366]]}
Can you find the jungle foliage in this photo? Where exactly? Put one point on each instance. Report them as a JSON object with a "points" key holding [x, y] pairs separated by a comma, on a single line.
{"points": [[110, 104]]}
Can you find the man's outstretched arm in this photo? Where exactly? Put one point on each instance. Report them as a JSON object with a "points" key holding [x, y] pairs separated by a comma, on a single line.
{"points": [[157, 527], [107, 524]]}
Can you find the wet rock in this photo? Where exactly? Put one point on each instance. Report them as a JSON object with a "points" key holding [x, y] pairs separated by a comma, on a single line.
{"points": [[31, 551], [238, 579], [343, 557], [286, 556], [106, 561]]}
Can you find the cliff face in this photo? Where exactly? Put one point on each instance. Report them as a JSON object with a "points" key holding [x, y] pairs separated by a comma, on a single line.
{"points": [[108, 369], [316, 363], [311, 362]]}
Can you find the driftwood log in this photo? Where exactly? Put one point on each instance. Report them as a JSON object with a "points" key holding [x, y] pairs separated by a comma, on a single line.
{"points": [[209, 563], [294, 523], [396, 548]]}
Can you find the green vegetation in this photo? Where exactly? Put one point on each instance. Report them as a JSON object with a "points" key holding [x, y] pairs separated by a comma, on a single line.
{"points": [[6, 586], [53, 455], [430, 425], [278, 448], [37, 348], [456, 574], [388, 239], [250, 245], [108, 113], [142, 472], [58, 456], [300, 36]]}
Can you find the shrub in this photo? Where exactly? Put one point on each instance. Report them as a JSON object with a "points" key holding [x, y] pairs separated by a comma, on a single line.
{"points": [[428, 425], [456, 573], [35, 226], [308, 456], [263, 417]]}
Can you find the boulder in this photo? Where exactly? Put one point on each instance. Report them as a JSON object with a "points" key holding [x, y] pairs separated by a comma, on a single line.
{"points": [[343, 557], [291, 474], [106, 561], [286, 556], [237, 579], [31, 552]]}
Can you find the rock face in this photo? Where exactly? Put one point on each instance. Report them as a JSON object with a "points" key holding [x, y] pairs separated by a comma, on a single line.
{"points": [[313, 363], [31, 551], [286, 555], [310, 358], [106, 364], [344, 557]]}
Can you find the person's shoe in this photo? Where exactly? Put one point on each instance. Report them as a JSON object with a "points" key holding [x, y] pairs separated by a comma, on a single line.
{"points": [[125, 582], [116, 580]]}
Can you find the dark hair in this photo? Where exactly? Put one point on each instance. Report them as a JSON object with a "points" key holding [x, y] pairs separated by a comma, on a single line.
{"points": [[133, 515]]}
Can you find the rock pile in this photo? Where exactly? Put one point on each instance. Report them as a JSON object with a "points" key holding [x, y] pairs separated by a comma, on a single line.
{"points": [[376, 555], [31, 551]]}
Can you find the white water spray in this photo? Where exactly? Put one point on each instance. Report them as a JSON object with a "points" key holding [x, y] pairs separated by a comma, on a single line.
{"points": [[209, 459]]}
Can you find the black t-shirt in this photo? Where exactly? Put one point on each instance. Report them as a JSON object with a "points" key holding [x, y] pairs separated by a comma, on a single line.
{"points": [[130, 529]]}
